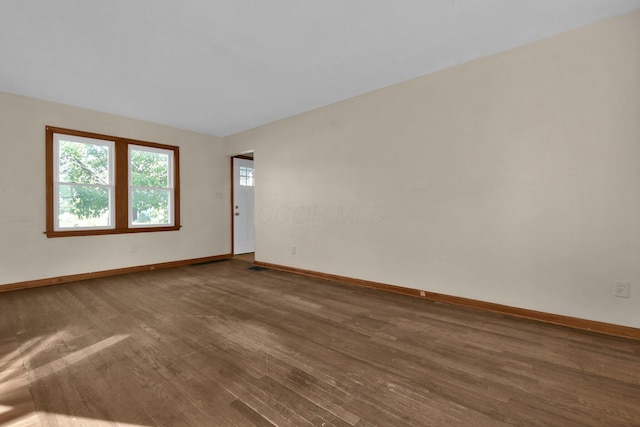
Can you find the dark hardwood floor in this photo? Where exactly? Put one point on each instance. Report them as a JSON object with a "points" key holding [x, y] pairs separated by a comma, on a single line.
{"points": [[220, 344]]}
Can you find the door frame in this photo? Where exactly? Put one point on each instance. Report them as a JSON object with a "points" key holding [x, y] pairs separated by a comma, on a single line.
{"points": [[233, 237]]}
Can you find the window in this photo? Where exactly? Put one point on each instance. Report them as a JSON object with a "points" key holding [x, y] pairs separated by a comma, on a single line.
{"points": [[246, 176], [83, 182], [99, 184], [150, 186]]}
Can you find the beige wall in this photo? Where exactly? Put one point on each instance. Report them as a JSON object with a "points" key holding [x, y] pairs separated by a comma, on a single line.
{"points": [[513, 179], [27, 254]]}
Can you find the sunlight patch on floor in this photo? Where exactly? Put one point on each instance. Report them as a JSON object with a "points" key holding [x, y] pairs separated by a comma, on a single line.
{"points": [[73, 358], [16, 407], [70, 420]]}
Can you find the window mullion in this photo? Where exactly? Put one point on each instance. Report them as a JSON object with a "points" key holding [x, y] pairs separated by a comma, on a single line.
{"points": [[79, 184], [142, 187], [122, 183]]}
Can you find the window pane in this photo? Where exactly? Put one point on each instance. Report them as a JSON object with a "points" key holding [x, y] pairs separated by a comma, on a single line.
{"points": [[83, 206], [84, 180], [150, 207], [246, 176], [83, 163], [151, 185], [149, 169]]}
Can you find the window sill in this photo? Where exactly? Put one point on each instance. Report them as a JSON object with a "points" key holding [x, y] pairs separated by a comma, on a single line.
{"points": [[78, 233]]}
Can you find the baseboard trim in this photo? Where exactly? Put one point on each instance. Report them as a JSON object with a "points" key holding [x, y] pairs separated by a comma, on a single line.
{"points": [[92, 275], [556, 319]]}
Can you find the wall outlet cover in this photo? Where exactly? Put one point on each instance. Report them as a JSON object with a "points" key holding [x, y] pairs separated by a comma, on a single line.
{"points": [[622, 289]]}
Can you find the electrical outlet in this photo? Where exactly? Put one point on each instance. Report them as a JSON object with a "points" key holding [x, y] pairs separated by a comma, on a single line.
{"points": [[622, 289], [293, 250]]}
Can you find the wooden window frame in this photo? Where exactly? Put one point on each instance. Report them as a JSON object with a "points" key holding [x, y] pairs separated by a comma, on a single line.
{"points": [[121, 171]]}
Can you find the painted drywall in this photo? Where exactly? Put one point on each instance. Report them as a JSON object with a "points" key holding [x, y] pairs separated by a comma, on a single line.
{"points": [[513, 179], [27, 254]]}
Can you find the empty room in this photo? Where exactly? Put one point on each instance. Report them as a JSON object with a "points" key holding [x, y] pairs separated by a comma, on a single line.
{"points": [[320, 213]]}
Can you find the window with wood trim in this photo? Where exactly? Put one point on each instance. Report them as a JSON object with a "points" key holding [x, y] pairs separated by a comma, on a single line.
{"points": [[101, 184]]}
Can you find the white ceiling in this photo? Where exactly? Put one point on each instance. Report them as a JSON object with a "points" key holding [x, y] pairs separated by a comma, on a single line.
{"points": [[223, 66]]}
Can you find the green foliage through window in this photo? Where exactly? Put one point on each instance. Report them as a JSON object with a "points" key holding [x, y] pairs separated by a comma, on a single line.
{"points": [[150, 182], [85, 184]]}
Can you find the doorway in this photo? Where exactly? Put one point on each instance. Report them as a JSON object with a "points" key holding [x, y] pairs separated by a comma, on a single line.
{"points": [[243, 205]]}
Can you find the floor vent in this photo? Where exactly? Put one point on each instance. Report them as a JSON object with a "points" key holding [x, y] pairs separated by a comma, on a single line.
{"points": [[258, 268]]}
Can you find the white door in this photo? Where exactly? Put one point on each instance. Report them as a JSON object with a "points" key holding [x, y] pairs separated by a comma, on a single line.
{"points": [[243, 210]]}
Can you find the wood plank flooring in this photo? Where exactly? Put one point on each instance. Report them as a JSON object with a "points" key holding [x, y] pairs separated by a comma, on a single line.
{"points": [[221, 345]]}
